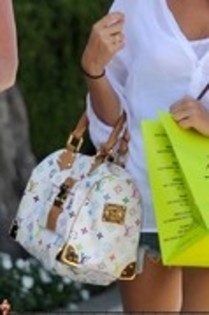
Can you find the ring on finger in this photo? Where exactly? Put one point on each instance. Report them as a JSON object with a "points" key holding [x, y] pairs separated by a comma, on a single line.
{"points": [[117, 38]]}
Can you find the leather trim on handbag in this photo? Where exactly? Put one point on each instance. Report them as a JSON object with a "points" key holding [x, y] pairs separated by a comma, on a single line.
{"points": [[75, 141], [68, 256], [66, 159], [59, 201], [129, 273]]}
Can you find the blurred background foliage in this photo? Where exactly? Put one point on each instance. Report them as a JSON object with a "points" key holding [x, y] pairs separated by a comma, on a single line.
{"points": [[52, 35]]}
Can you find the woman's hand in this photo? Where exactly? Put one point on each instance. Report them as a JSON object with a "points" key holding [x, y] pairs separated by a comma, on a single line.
{"points": [[105, 40], [191, 114]]}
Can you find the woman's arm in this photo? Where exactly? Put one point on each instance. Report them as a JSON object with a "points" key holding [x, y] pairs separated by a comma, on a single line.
{"points": [[8, 45], [106, 39]]}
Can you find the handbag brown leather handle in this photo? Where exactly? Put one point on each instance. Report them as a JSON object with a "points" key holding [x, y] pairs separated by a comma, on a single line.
{"points": [[67, 158], [75, 138]]}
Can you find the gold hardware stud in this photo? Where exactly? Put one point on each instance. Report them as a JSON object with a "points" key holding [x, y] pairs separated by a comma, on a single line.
{"points": [[114, 213], [68, 256], [77, 142], [129, 273]]}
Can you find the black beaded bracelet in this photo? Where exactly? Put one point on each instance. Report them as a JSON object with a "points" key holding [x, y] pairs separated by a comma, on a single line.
{"points": [[94, 77]]}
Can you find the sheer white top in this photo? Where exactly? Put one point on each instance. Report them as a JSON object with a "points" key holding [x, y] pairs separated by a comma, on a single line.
{"points": [[158, 67]]}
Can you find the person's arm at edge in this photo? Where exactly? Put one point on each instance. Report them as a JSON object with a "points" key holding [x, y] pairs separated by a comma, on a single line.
{"points": [[8, 46], [104, 99]]}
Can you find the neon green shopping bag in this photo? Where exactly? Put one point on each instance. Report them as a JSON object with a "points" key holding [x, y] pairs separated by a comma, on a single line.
{"points": [[178, 164]]}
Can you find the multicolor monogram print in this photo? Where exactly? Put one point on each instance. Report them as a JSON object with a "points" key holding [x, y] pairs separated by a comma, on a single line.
{"points": [[103, 248]]}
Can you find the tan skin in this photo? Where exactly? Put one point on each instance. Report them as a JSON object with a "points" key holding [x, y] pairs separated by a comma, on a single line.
{"points": [[8, 45], [158, 288]]}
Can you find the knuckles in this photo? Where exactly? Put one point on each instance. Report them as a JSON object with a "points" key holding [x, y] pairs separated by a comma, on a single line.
{"points": [[96, 29], [186, 104], [190, 104]]}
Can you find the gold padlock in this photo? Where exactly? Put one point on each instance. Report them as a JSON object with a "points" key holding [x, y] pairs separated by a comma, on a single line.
{"points": [[114, 213]]}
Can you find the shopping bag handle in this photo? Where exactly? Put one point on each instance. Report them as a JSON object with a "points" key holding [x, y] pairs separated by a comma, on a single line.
{"points": [[203, 92]]}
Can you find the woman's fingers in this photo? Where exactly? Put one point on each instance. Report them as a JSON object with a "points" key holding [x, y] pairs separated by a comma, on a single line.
{"points": [[186, 124], [110, 20], [186, 108], [184, 104], [190, 113], [113, 32], [116, 39], [182, 114], [105, 40]]}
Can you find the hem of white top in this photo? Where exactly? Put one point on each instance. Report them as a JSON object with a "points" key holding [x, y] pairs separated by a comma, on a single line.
{"points": [[149, 231]]}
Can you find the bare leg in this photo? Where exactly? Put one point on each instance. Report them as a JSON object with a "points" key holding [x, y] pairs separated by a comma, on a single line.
{"points": [[157, 289], [195, 289]]}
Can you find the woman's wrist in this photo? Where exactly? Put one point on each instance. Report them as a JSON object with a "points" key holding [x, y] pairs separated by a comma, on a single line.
{"points": [[93, 74], [91, 69]]}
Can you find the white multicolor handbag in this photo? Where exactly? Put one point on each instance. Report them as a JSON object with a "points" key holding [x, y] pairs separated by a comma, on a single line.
{"points": [[80, 216]]}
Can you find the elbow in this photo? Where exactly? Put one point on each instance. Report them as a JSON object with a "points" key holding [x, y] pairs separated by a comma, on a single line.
{"points": [[10, 74]]}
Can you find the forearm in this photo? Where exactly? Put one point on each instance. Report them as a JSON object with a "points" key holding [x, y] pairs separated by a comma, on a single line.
{"points": [[105, 101], [8, 45], [105, 41]]}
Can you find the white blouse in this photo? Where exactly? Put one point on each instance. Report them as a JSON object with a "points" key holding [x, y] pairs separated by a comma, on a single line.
{"points": [[157, 67]]}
